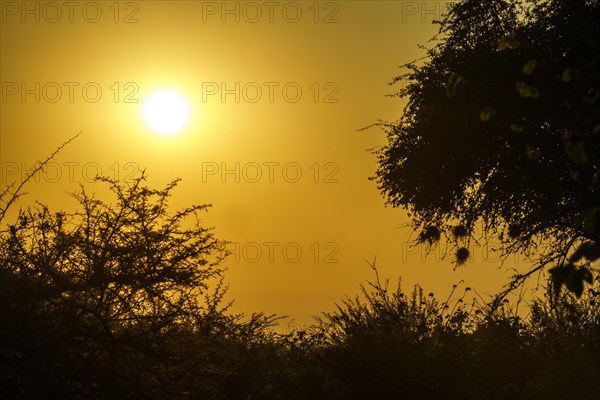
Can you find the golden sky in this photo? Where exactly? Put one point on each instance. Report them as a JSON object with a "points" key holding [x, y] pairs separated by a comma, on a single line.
{"points": [[276, 91]]}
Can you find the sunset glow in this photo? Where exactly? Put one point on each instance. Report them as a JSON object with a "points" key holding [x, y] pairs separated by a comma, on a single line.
{"points": [[166, 112]]}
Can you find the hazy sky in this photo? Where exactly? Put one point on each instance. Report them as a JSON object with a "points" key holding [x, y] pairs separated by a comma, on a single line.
{"points": [[277, 92]]}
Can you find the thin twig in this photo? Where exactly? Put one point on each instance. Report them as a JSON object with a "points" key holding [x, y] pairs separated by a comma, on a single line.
{"points": [[40, 167]]}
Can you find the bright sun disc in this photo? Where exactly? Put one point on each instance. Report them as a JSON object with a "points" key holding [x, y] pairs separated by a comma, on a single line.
{"points": [[166, 112]]}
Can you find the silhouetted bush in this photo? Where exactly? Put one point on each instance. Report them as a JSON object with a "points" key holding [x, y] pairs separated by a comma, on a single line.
{"points": [[388, 345], [125, 300], [113, 301]]}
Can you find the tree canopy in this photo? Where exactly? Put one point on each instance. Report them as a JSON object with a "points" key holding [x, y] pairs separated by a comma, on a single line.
{"points": [[502, 126]]}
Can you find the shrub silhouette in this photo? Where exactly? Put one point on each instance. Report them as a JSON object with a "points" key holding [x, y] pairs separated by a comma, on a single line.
{"points": [[113, 301], [126, 300], [389, 345]]}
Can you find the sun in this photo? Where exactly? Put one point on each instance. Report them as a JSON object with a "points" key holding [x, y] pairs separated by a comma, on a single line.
{"points": [[166, 112]]}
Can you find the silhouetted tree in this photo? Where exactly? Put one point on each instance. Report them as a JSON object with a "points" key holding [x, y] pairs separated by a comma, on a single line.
{"points": [[502, 126], [119, 300]]}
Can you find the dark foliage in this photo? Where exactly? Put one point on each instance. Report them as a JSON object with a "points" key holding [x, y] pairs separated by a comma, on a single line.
{"points": [[124, 300], [113, 301], [502, 126], [387, 345]]}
